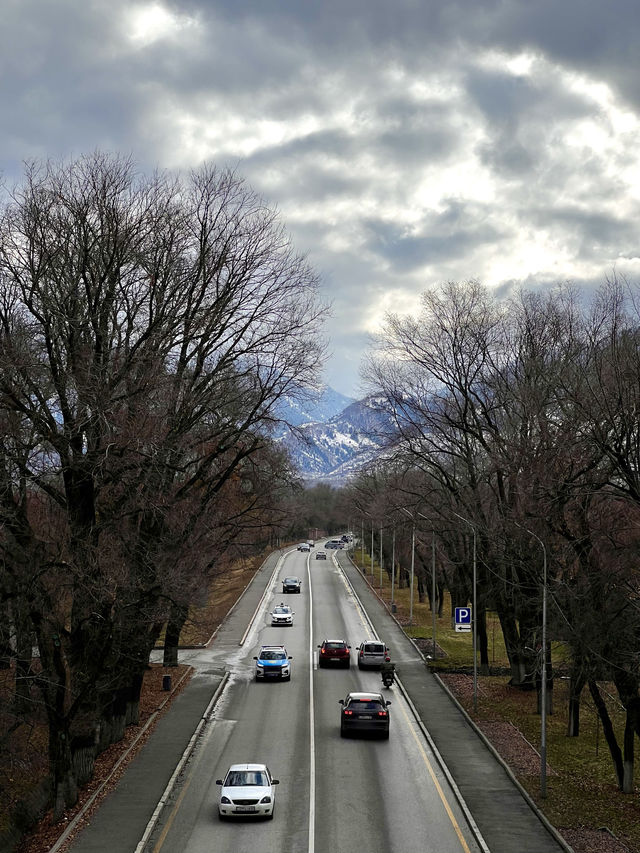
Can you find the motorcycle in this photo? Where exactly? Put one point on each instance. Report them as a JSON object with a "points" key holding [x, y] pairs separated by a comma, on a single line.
{"points": [[388, 676]]}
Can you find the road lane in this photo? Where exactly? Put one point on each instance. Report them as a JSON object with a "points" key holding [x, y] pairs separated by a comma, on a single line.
{"points": [[371, 794], [335, 794]]}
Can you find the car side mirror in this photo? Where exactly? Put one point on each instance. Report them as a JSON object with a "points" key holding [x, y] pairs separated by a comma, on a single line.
{"points": [[290, 657], [319, 647], [388, 703], [255, 658], [340, 701], [218, 781], [275, 781]]}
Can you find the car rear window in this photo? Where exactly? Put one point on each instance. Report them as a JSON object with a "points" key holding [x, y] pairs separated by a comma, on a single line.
{"points": [[376, 648], [365, 705], [334, 645]]}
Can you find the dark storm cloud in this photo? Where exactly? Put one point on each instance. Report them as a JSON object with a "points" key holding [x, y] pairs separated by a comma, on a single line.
{"points": [[403, 143], [456, 231]]}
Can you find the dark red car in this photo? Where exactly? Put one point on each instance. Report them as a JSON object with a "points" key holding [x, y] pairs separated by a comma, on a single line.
{"points": [[334, 652]]}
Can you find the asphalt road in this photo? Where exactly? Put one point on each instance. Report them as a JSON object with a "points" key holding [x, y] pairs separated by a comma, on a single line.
{"points": [[335, 794]]}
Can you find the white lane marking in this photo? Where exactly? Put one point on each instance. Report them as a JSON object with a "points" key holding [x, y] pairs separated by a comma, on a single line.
{"points": [[312, 740], [252, 627]]}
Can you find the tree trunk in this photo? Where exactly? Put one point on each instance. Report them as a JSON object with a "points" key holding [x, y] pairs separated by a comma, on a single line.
{"points": [[177, 618], [629, 741], [63, 782], [576, 685], [609, 733], [483, 643]]}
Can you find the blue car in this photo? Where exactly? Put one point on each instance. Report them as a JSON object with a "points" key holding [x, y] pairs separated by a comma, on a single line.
{"points": [[273, 663]]}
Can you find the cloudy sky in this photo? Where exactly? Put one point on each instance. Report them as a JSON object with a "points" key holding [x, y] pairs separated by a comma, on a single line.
{"points": [[405, 142]]}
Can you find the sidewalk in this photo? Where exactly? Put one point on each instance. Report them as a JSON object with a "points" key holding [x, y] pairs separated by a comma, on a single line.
{"points": [[507, 819]]}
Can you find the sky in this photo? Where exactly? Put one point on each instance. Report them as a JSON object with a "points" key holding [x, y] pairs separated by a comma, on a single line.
{"points": [[404, 143]]}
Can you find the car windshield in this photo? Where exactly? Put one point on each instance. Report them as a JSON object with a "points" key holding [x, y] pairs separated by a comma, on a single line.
{"points": [[237, 778], [281, 610], [271, 655], [291, 580]]}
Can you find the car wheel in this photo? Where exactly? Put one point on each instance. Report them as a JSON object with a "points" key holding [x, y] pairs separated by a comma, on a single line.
{"points": [[288, 678], [359, 665], [343, 731], [270, 816], [385, 735], [348, 664], [222, 817]]}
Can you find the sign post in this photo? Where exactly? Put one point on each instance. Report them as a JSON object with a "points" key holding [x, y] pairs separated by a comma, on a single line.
{"points": [[463, 619]]}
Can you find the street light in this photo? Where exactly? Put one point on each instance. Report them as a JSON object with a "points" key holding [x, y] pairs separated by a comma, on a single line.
{"points": [[393, 567], [413, 555], [433, 583], [473, 613], [543, 692]]}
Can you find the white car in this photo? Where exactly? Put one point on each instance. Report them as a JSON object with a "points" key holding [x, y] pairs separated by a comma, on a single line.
{"points": [[247, 791], [304, 546], [282, 615]]}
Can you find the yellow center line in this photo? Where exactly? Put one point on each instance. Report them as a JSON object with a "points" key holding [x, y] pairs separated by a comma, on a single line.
{"points": [[435, 781]]}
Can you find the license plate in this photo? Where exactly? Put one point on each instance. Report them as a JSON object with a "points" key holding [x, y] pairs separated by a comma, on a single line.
{"points": [[365, 717], [335, 658], [245, 808]]}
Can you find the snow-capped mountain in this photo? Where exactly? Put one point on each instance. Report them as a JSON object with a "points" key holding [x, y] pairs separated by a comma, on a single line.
{"points": [[333, 449], [317, 407]]}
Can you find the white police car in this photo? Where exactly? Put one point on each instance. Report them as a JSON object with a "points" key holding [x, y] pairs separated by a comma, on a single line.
{"points": [[273, 663]]}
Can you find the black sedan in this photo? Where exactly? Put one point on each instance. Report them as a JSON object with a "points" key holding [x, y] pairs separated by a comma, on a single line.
{"points": [[291, 585], [364, 712]]}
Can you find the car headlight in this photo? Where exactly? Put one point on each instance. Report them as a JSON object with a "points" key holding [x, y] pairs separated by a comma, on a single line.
{"points": [[225, 800], [266, 799], [259, 666]]}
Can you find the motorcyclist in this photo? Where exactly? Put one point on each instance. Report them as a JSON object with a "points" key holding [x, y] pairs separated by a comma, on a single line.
{"points": [[388, 670]]}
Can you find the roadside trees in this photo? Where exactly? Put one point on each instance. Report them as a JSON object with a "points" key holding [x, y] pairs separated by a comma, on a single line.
{"points": [[149, 326]]}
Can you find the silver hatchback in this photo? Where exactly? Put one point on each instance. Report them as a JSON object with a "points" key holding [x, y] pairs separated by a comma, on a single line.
{"points": [[372, 654]]}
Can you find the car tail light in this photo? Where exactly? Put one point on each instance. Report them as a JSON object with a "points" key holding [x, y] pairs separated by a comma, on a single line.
{"points": [[382, 713], [323, 651], [349, 713]]}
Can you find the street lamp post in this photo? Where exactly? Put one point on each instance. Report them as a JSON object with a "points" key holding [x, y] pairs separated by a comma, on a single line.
{"points": [[474, 613], [393, 567], [543, 691], [433, 583], [413, 555], [381, 560]]}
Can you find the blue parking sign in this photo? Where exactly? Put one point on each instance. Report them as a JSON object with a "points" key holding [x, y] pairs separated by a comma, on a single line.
{"points": [[463, 618]]}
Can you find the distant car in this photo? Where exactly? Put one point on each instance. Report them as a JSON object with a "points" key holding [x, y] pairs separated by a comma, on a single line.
{"points": [[364, 712], [311, 543], [291, 584], [372, 653], [321, 555], [334, 652], [282, 615], [247, 790], [272, 662], [304, 546], [332, 543]]}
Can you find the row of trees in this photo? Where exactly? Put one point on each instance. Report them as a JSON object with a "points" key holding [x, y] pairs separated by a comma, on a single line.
{"points": [[149, 325], [518, 424]]}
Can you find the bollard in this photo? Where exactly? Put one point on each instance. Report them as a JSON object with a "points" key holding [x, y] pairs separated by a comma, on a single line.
{"points": [[166, 682], [393, 607]]}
